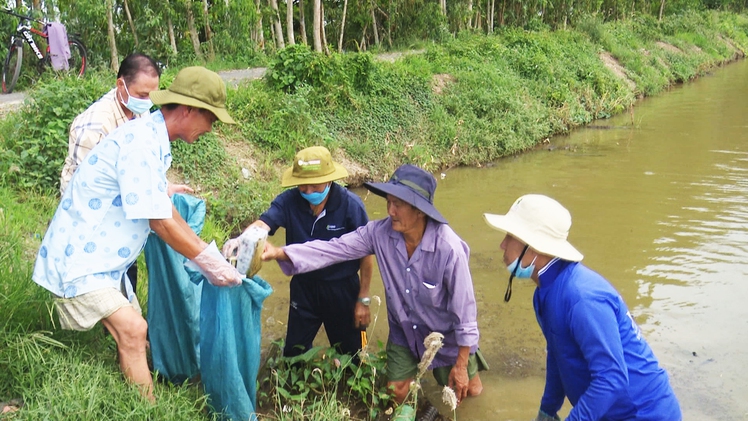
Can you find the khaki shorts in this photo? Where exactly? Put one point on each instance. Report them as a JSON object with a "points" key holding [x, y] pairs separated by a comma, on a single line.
{"points": [[84, 311], [402, 365]]}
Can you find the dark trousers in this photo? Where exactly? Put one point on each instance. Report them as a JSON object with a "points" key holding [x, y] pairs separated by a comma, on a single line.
{"points": [[132, 273], [317, 302]]}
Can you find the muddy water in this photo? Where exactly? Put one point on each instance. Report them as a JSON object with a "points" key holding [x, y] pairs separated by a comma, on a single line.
{"points": [[658, 201]]}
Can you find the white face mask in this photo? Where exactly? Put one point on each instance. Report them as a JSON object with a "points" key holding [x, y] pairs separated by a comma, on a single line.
{"points": [[136, 105]]}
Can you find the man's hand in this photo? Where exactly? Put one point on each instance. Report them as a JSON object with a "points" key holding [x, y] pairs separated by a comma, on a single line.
{"points": [[273, 253], [542, 416], [362, 316], [218, 271], [178, 188], [231, 246], [458, 381]]}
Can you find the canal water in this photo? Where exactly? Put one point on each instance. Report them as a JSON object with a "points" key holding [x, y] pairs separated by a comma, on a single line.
{"points": [[658, 202]]}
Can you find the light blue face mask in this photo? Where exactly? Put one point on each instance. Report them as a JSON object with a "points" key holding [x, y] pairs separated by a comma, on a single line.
{"points": [[516, 270], [317, 197], [519, 271], [136, 105]]}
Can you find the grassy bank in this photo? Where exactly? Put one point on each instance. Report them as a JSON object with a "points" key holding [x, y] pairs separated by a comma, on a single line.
{"points": [[465, 102]]}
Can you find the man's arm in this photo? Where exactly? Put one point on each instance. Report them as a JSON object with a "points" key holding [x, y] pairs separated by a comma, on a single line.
{"points": [[595, 330], [458, 376], [553, 396], [176, 233], [362, 313]]}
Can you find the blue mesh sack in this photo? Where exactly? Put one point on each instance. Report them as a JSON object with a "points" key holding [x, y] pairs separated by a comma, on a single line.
{"points": [[174, 301], [230, 346]]}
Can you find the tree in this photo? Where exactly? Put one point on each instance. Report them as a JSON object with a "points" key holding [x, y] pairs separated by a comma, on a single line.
{"points": [[110, 31], [132, 24], [289, 22], [208, 32], [317, 23], [170, 25], [302, 23], [342, 27], [193, 30], [277, 27]]}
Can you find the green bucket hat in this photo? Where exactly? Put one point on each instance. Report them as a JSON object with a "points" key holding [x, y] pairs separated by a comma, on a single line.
{"points": [[313, 166], [197, 87]]}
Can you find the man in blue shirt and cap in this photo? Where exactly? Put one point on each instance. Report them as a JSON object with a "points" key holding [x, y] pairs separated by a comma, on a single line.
{"points": [[597, 357], [317, 208]]}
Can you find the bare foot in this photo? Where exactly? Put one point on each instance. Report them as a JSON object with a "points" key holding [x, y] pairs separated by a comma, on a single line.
{"points": [[12, 406]]}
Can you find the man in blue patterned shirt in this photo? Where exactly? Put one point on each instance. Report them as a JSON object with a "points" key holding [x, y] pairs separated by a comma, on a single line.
{"points": [[116, 197]]}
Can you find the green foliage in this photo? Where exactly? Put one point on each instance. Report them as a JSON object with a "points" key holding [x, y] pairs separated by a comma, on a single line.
{"points": [[322, 384], [297, 65], [34, 140]]}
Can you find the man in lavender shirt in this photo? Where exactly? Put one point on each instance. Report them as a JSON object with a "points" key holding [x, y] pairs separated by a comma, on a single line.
{"points": [[424, 267]]}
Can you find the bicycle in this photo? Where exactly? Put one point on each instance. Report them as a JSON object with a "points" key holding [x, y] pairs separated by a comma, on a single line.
{"points": [[24, 31]]}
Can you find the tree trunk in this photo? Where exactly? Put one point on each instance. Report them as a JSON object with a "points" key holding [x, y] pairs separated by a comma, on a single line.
{"points": [[36, 5], [208, 32], [470, 15], [374, 23], [172, 39], [342, 26], [132, 24], [289, 22], [302, 23], [110, 31], [260, 39], [444, 7], [662, 9], [277, 27], [193, 30], [501, 15], [324, 34], [317, 23]]}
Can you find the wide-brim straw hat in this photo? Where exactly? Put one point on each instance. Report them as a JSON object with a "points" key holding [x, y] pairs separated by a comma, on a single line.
{"points": [[411, 185], [540, 222], [198, 87], [313, 166]]}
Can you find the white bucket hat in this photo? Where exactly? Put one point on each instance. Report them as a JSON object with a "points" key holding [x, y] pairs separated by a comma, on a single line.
{"points": [[541, 223]]}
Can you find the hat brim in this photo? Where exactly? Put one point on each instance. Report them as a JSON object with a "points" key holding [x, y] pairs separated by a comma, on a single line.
{"points": [[166, 96], [407, 195], [516, 227], [289, 180]]}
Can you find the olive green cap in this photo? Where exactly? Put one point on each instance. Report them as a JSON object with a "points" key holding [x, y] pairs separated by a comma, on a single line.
{"points": [[197, 87], [313, 166]]}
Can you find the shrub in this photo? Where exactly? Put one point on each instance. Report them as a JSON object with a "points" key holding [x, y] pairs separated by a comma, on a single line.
{"points": [[34, 140]]}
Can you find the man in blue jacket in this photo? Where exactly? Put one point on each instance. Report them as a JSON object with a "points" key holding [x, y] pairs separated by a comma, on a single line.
{"points": [[317, 208], [597, 357]]}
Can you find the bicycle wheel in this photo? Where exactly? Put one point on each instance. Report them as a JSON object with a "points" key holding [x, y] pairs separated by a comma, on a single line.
{"points": [[12, 67], [78, 57]]}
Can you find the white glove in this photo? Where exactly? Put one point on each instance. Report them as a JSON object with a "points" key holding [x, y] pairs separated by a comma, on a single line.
{"points": [[215, 268], [231, 247]]}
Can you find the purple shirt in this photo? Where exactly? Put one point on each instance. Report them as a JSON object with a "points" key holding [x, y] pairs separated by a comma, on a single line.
{"points": [[430, 292]]}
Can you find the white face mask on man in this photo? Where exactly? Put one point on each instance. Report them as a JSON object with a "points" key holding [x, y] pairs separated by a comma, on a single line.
{"points": [[136, 105]]}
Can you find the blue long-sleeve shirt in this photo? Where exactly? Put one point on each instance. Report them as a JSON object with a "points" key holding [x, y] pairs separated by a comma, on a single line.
{"points": [[597, 356]]}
